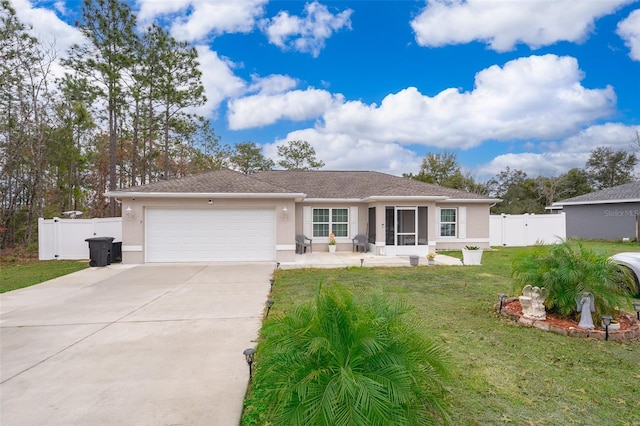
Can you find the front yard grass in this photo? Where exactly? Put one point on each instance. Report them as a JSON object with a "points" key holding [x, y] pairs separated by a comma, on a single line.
{"points": [[17, 274], [503, 373]]}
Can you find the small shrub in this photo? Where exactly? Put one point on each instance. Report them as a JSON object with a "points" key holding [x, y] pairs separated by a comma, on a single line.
{"points": [[566, 270], [341, 362]]}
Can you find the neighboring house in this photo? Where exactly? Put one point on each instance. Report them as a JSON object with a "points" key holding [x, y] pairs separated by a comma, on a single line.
{"points": [[228, 216], [609, 214]]}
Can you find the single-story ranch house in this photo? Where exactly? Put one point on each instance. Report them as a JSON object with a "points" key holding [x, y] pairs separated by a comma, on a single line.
{"points": [[608, 214], [228, 216]]}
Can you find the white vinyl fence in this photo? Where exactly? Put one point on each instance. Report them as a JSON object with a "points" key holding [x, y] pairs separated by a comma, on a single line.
{"points": [[520, 230], [65, 238]]}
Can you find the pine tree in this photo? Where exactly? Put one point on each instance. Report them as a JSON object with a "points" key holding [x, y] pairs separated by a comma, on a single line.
{"points": [[106, 60]]}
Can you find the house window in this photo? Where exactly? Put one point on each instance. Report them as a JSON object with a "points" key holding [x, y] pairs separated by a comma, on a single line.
{"points": [[448, 222], [326, 221]]}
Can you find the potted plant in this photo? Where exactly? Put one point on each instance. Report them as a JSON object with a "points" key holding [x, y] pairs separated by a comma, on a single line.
{"points": [[431, 258], [472, 255], [332, 243]]}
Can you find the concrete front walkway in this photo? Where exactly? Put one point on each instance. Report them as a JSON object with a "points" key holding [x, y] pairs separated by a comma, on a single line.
{"points": [[347, 258], [143, 345]]}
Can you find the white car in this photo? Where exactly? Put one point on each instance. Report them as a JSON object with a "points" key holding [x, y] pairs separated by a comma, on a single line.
{"points": [[630, 261]]}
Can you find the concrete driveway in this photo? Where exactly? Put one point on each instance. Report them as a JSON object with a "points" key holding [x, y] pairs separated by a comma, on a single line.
{"points": [[142, 345]]}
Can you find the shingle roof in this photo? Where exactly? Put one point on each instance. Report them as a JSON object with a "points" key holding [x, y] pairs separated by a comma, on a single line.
{"points": [[314, 184], [219, 181], [629, 192], [357, 185]]}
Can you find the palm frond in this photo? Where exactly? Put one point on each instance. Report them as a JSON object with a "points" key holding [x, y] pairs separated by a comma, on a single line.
{"points": [[567, 270], [345, 361]]}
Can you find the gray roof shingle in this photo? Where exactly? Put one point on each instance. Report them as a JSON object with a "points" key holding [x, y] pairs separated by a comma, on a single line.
{"points": [[629, 192], [357, 185], [314, 184], [219, 181]]}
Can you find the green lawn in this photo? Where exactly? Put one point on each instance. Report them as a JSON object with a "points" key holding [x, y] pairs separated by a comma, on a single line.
{"points": [[23, 273], [503, 373]]}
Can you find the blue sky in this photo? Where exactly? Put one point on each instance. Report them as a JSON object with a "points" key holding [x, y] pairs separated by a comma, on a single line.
{"points": [[375, 85]]}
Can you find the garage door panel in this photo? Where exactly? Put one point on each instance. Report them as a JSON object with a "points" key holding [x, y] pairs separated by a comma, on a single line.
{"points": [[183, 235]]}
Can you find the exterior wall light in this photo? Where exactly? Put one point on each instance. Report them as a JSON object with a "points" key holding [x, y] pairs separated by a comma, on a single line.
{"points": [[285, 213], [129, 212]]}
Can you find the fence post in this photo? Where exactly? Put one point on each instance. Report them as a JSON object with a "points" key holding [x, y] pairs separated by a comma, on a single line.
{"points": [[57, 237]]}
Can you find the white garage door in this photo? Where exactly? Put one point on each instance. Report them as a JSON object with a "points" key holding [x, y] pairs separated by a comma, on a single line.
{"points": [[203, 235]]}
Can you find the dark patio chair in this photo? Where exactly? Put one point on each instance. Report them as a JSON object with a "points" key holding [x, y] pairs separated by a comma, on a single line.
{"points": [[302, 242], [358, 241]]}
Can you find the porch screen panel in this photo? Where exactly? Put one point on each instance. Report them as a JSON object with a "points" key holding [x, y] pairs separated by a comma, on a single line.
{"points": [[372, 225], [406, 227], [390, 225], [423, 235]]}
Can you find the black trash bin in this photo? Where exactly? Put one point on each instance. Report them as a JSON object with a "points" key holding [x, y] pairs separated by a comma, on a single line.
{"points": [[100, 250], [116, 251]]}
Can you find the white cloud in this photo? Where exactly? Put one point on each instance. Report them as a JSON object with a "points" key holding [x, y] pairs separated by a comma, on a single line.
{"points": [[528, 99], [629, 30], [503, 24], [534, 164], [566, 154], [538, 97], [47, 27], [272, 84], [218, 80], [263, 109], [194, 20], [148, 10], [347, 152], [61, 7], [306, 34]]}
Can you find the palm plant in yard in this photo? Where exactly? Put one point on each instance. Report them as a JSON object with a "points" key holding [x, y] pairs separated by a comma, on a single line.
{"points": [[567, 270], [339, 361]]}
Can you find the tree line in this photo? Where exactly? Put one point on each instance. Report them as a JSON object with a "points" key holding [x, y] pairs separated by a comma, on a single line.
{"points": [[122, 115], [520, 193]]}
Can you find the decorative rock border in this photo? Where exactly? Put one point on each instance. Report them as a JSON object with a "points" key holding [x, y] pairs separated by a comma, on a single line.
{"points": [[631, 333]]}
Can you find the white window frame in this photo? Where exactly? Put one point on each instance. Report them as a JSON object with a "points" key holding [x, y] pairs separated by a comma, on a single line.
{"points": [[330, 222], [454, 223]]}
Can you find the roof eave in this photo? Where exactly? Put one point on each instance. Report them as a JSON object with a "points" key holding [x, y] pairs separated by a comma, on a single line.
{"points": [[577, 203], [404, 198], [231, 195], [473, 200], [333, 200]]}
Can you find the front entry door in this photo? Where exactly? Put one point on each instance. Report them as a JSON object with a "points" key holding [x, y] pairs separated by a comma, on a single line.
{"points": [[406, 221], [406, 230]]}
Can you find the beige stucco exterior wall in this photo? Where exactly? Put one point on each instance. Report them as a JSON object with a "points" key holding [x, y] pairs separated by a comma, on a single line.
{"points": [[343, 244], [477, 223], [364, 226], [133, 229], [477, 227]]}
